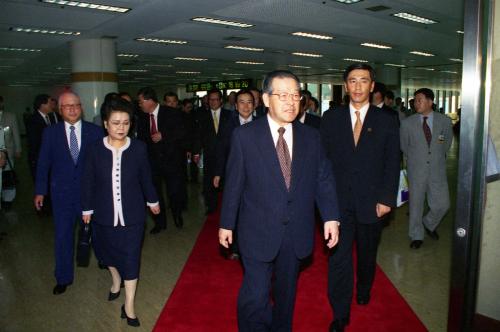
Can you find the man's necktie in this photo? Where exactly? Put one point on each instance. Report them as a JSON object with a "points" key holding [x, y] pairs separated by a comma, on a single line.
{"points": [[357, 128], [154, 129], [216, 122], [284, 157], [47, 120], [73, 144], [427, 131]]}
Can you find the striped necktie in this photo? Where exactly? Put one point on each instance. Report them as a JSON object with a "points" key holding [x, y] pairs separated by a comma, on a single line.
{"points": [[73, 144]]}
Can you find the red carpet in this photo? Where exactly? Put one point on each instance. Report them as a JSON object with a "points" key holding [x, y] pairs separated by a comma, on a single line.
{"points": [[204, 298]]}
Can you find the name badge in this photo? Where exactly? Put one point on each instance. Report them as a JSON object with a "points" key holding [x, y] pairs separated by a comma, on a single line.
{"points": [[441, 138]]}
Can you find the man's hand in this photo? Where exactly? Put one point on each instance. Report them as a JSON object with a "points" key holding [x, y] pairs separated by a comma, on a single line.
{"points": [[155, 209], [216, 181], [156, 137], [225, 237], [382, 210], [86, 218], [196, 158], [38, 202], [331, 230]]}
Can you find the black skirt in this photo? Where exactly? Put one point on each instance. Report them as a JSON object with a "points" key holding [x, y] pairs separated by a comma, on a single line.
{"points": [[119, 247]]}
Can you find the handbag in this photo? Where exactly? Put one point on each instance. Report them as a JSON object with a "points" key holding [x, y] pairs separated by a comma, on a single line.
{"points": [[9, 177], [83, 246], [403, 193]]}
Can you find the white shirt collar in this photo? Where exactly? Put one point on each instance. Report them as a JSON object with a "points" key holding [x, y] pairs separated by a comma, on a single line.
{"points": [[112, 148], [242, 120], [288, 135], [302, 119], [362, 113], [157, 109], [380, 105]]}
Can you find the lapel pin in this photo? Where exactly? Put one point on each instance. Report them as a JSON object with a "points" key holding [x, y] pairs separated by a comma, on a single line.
{"points": [[369, 129]]}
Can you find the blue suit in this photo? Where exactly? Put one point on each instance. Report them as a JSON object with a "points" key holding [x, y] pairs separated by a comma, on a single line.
{"points": [[275, 226], [55, 163]]}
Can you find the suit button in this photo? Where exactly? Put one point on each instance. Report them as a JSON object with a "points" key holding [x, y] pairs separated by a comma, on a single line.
{"points": [[428, 162], [289, 201], [429, 152]]}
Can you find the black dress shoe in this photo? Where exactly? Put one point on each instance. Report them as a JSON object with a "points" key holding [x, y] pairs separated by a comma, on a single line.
{"points": [[157, 229], [363, 299], [113, 296], [130, 321], [432, 234], [415, 244], [338, 325], [59, 289], [179, 222]]}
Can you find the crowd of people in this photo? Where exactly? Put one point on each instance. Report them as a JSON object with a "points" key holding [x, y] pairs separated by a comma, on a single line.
{"points": [[280, 165]]}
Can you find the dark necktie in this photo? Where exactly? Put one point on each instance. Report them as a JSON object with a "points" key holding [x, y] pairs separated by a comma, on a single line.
{"points": [[47, 120], [284, 157], [154, 129], [73, 144], [427, 131]]}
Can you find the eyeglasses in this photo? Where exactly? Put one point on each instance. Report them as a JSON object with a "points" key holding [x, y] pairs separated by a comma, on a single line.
{"points": [[70, 106], [285, 95]]}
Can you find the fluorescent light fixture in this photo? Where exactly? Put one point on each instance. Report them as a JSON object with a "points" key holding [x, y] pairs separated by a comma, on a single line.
{"points": [[16, 49], [421, 53], [231, 74], [348, 2], [222, 22], [298, 66], [161, 41], [126, 55], [394, 65], [311, 55], [334, 69], [460, 32], [87, 5], [355, 60], [135, 70], [449, 71], [414, 18], [158, 65], [384, 47], [189, 59], [249, 63], [188, 72], [46, 31], [424, 68], [244, 48], [456, 60], [311, 35]]}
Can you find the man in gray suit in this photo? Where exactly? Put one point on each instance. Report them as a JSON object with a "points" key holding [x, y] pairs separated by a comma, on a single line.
{"points": [[425, 140]]}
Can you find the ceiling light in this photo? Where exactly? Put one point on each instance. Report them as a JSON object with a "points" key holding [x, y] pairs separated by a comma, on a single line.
{"points": [[424, 68], [449, 71], [298, 66], [135, 70], [460, 32], [312, 35], [87, 5], [161, 41], [46, 31], [244, 48], [249, 63], [335, 69], [385, 47], [348, 2], [394, 65], [222, 22], [231, 74], [158, 65], [125, 55], [189, 59], [456, 60], [414, 18], [421, 53], [19, 49], [187, 72], [311, 55], [355, 60]]}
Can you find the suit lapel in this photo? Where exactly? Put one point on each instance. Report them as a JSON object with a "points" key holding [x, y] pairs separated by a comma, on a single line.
{"points": [[368, 125], [347, 126]]}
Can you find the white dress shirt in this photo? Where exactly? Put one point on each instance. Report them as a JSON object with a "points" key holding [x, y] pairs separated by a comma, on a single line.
{"points": [[302, 119], [155, 113], [245, 121], [45, 117], [362, 113], [288, 135], [78, 132]]}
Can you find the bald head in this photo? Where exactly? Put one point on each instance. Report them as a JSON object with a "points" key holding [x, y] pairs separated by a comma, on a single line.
{"points": [[70, 107]]}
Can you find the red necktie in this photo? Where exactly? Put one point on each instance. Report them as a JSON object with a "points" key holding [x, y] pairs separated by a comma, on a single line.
{"points": [[427, 131], [154, 130], [284, 157]]}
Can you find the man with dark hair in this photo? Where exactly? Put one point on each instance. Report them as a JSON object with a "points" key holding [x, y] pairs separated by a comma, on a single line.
{"points": [[271, 202], [378, 99], [164, 133], [259, 108], [208, 124], [362, 143], [426, 138], [170, 99], [304, 116], [389, 99]]}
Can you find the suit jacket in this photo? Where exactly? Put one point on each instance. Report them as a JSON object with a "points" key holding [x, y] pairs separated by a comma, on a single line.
{"points": [[424, 161], [256, 198], [169, 153], [312, 120], [206, 132], [35, 126], [55, 163], [12, 138], [392, 112], [368, 173], [135, 181], [223, 143]]}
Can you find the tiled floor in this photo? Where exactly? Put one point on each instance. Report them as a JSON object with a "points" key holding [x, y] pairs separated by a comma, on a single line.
{"points": [[26, 270]]}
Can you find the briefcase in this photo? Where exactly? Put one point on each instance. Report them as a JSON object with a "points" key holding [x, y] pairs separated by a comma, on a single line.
{"points": [[83, 247]]}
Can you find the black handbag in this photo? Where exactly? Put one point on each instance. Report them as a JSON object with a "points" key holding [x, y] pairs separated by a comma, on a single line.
{"points": [[83, 247], [9, 177]]}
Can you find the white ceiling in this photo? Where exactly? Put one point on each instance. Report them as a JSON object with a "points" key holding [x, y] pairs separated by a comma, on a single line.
{"points": [[274, 20]]}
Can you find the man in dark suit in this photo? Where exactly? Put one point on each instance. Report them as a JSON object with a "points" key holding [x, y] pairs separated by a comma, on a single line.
{"points": [[43, 116], [208, 123], [379, 95], [60, 162], [276, 171], [259, 109], [363, 144], [306, 117], [162, 129]]}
